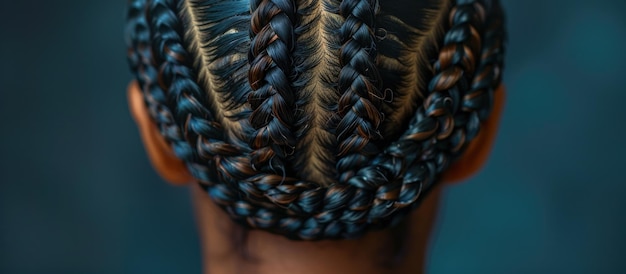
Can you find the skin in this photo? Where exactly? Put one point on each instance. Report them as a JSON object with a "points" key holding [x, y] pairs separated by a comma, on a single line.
{"points": [[228, 248]]}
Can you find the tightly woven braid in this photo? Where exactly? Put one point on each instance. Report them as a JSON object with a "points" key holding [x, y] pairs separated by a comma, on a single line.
{"points": [[381, 192], [142, 59], [272, 99], [359, 106], [162, 68]]}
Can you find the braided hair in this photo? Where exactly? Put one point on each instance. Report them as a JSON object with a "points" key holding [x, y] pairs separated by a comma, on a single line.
{"points": [[359, 106], [280, 108]]}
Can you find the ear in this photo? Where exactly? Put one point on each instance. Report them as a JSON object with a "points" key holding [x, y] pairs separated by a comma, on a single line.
{"points": [[167, 165], [477, 153]]}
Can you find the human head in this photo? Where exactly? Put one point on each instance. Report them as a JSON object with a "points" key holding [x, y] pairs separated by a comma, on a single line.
{"points": [[316, 121]]}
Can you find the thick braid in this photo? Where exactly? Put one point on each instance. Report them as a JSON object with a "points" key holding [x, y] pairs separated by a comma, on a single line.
{"points": [[137, 35], [455, 70], [142, 60], [360, 105], [489, 73], [272, 98]]}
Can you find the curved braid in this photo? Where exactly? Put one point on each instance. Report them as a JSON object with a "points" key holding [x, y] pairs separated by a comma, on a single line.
{"points": [[413, 163], [272, 99], [163, 69], [141, 59], [360, 104], [380, 193], [137, 36]]}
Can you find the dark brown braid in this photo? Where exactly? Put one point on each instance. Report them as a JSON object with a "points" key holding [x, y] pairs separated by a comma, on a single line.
{"points": [[467, 72], [272, 100], [359, 107]]}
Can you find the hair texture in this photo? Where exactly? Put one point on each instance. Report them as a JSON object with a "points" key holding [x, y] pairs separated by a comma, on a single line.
{"points": [[277, 106], [361, 99], [272, 99]]}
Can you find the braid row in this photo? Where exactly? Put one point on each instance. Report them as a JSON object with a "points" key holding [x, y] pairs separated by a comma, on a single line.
{"points": [[466, 73], [360, 104], [163, 69], [142, 62], [272, 99]]}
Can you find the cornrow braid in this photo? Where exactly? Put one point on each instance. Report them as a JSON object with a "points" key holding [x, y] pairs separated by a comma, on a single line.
{"points": [[142, 62], [137, 36], [171, 92], [272, 99], [360, 104], [467, 71]]}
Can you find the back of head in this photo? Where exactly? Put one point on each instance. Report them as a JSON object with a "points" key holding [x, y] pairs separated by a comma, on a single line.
{"points": [[317, 119]]}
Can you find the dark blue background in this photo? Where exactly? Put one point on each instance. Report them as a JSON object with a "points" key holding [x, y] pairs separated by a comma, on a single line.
{"points": [[77, 194]]}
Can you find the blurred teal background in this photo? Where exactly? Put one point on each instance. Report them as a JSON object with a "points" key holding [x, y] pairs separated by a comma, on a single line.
{"points": [[77, 194]]}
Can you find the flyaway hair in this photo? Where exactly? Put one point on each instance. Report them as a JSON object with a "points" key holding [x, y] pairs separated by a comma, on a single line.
{"points": [[317, 119]]}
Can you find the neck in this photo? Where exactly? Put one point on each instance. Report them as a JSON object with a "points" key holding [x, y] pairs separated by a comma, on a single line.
{"points": [[230, 249]]}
